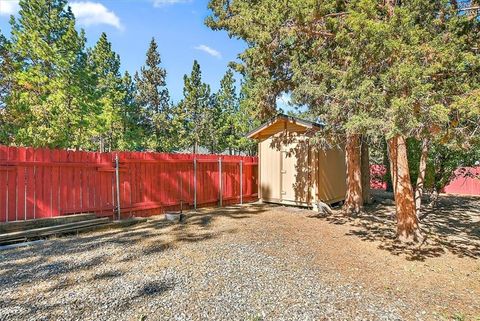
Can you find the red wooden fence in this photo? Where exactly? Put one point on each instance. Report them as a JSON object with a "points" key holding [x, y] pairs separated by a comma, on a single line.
{"points": [[465, 181], [38, 183]]}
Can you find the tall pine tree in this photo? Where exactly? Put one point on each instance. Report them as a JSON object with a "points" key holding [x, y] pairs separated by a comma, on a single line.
{"points": [[152, 95], [191, 111], [132, 117], [6, 71], [45, 106], [110, 97], [212, 129], [367, 67], [228, 122]]}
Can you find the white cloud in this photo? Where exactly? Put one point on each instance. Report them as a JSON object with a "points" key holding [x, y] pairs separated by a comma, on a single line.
{"points": [[93, 13], [212, 52], [163, 3], [8, 7]]}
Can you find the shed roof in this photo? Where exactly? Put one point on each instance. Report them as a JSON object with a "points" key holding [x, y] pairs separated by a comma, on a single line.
{"points": [[280, 123]]}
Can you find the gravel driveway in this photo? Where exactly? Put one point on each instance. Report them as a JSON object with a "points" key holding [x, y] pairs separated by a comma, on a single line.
{"points": [[231, 264]]}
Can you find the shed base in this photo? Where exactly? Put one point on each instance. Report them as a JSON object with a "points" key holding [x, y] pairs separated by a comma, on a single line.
{"points": [[300, 204]]}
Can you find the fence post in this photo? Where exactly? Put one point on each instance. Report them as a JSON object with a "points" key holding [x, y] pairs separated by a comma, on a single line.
{"points": [[117, 178], [220, 187], [195, 183], [241, 182]]}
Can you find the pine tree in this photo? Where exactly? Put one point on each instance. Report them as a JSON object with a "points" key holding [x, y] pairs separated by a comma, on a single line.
{"points": [[44, 107], [248, 117], [287, 53], [228, 103], [190, 112], [6, 71], [220, 126], [432, 64], [233, 120], [366, 67], [132, 117], [212, 136], [152, 95], [110, 97]]}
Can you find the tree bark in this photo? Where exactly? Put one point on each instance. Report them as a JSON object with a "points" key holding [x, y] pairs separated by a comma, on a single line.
{"points": [[390, 4], [407, 223], [365, 169], [195, 147], [353, 199], [386, 163], [422, 168]]}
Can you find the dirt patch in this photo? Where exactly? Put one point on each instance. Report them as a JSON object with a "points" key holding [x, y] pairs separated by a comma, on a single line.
{"points": [[441, 276]]}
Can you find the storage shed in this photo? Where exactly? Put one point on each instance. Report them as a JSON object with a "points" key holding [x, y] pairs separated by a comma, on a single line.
{"points": [[291, 171]]}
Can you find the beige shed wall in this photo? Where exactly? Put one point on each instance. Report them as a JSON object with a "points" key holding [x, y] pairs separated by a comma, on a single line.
{"points": [[291, 173], [331, 178], [269, 171]]}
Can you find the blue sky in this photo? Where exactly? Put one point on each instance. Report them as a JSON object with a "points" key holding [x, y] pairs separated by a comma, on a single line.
{"points": [[177, 25]]}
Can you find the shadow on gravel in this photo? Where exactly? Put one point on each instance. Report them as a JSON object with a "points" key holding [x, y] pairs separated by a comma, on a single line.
{"points": [[155, 288], [453, 226], [107, 275], [23, 273], [57, 257], [101, 257]]}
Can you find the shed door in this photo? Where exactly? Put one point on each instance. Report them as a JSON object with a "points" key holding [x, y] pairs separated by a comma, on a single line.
{"points": [[295, 174], [288, 173]]}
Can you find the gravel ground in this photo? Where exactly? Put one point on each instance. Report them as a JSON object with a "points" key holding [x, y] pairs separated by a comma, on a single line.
{"points": [[248, 263]]}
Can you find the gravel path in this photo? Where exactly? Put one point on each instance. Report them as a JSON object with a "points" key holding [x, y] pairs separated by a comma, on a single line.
{"points": [[215, 266]]}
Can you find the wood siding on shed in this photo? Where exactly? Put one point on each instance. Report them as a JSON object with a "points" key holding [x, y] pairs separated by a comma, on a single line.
{"points": [[331, 178], [269, 171], [291, 173]]}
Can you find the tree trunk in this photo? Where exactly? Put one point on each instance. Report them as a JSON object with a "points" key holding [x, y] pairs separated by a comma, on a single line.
{"points": [[386, 163], [390, 4], [353, 199], [407, 222], [365, 163], [195, 147], [422, 168]]}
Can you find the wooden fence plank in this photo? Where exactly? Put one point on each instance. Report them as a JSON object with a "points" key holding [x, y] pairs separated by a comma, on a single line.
{"points": [[30, 185], [47, 183], [55, 184], [12, 187], [3, 184], [21, 186], [64, 177]]}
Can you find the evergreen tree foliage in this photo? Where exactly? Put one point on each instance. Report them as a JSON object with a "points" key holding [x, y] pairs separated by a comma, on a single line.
{"points": [[109, 96], [222, 117], [191, 112], [367, 67], [44, 108], [133, 117], [6, 71], [353, 67], [213, 126], [152, 95], [247, 119]]}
